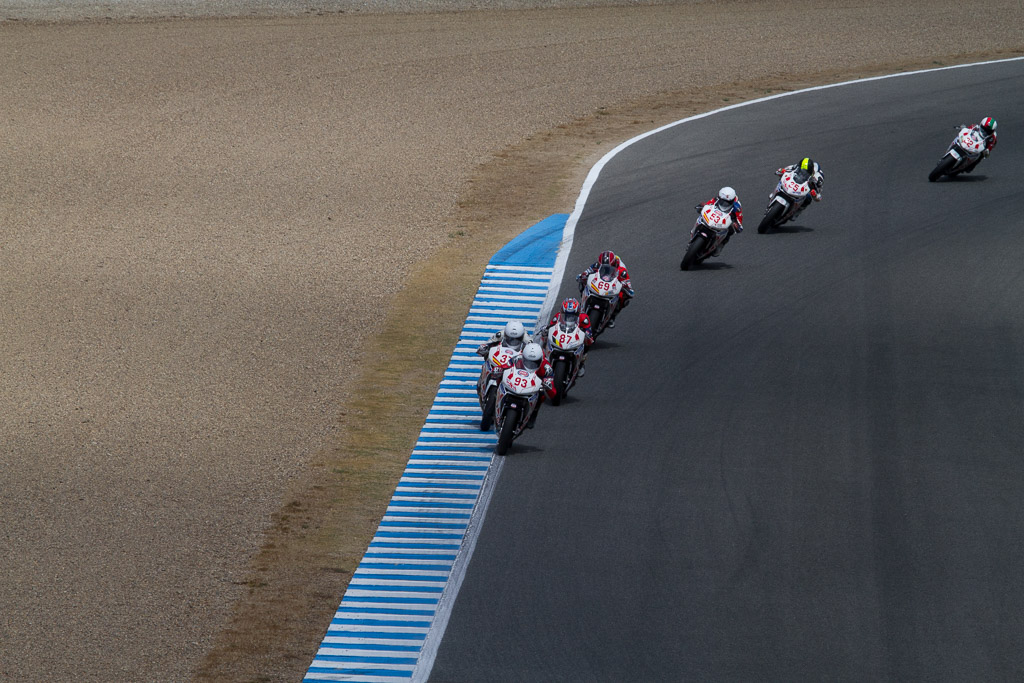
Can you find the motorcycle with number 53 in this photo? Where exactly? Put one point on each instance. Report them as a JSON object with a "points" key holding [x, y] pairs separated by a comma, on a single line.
{"points": [[712, 227]]}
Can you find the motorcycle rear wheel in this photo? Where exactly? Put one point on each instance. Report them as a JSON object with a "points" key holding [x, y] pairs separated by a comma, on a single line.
{"points": [[771, 218], [941, 169], [487, 420], [695, 248], [508, 428]]}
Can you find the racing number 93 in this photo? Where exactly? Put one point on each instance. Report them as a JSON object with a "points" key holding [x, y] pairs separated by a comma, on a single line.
{"points": [[521, 382]]}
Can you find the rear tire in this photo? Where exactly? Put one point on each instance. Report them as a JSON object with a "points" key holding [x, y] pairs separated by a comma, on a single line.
{"points": [[771, 219], [487, 420], [508, 428], [695, 248], [561, 380], [941, 169]]}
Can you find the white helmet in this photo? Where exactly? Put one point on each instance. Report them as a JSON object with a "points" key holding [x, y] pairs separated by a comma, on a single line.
{"points": [[726, 199], [513, 334], [532, 355]]}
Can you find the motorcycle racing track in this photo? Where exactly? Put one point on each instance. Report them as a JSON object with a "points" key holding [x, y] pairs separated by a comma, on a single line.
{"points": [[803, 460]]}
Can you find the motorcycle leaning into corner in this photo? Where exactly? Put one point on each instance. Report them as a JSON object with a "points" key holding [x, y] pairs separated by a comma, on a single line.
{"points": [[789, 199], [564, 346], [963, 155], [601, 297], [495, 364], [711, 229], [517, 398]]}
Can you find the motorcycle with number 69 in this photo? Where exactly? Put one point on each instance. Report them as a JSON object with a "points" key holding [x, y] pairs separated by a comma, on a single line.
{"points": [[517, 398], [601, 297], [712, 227], [963, 153]]}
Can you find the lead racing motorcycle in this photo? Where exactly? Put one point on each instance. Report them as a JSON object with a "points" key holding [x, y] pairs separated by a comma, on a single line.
{"points": [[601, 297], [564, 346], [518, 394], [963, 154], [495, 364], [711, 229], [788, 200]]}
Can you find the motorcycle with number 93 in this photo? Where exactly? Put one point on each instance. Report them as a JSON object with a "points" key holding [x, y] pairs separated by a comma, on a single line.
{"points": [[517, 398]]}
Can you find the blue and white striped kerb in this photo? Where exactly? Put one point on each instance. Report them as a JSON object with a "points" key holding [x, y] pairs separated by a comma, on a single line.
{"points": [[378, 632]]}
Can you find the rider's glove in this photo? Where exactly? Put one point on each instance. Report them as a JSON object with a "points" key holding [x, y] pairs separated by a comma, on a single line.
{"points": [[482, 350], [780, 171]]}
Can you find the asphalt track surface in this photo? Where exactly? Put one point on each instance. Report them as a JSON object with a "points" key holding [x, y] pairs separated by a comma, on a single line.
{"points": [[804, 460]]}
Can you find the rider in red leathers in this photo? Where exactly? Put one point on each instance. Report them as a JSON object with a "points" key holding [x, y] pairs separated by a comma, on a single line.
{"points": [[572, 312], [987, 128], [626, 294]]}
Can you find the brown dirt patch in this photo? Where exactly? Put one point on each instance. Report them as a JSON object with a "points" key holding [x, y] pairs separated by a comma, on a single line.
{"points": [[234, 256]]}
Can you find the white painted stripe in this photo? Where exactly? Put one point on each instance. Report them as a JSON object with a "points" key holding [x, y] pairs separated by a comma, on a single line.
{"points": [[354, 640], [532, 269], [366, 678], [356, 628]]}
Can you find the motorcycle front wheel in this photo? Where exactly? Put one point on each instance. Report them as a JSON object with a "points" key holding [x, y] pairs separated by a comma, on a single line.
{"points": [[942, 169], [596, 315], [771, 218], [487, 421], [695, 248], [508, 428], [561, 380]]}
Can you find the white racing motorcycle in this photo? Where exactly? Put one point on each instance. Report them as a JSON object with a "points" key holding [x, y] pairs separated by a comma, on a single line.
{"points": [[517, 398], [564, 349], [786, 202], [495, 364], [712, 227], [965, 150], [601, 297]]}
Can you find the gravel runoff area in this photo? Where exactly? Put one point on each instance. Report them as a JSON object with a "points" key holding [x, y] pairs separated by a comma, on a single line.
{"points": [[203, 220]]}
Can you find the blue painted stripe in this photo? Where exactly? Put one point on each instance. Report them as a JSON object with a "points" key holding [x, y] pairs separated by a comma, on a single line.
{"points": [[415, 534], [354, 672], [426, 486], [386, 610], [371, 646], [398, 577], [376, 635], [414, 567], [370, 599], [397, 589], [424, 525]]}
